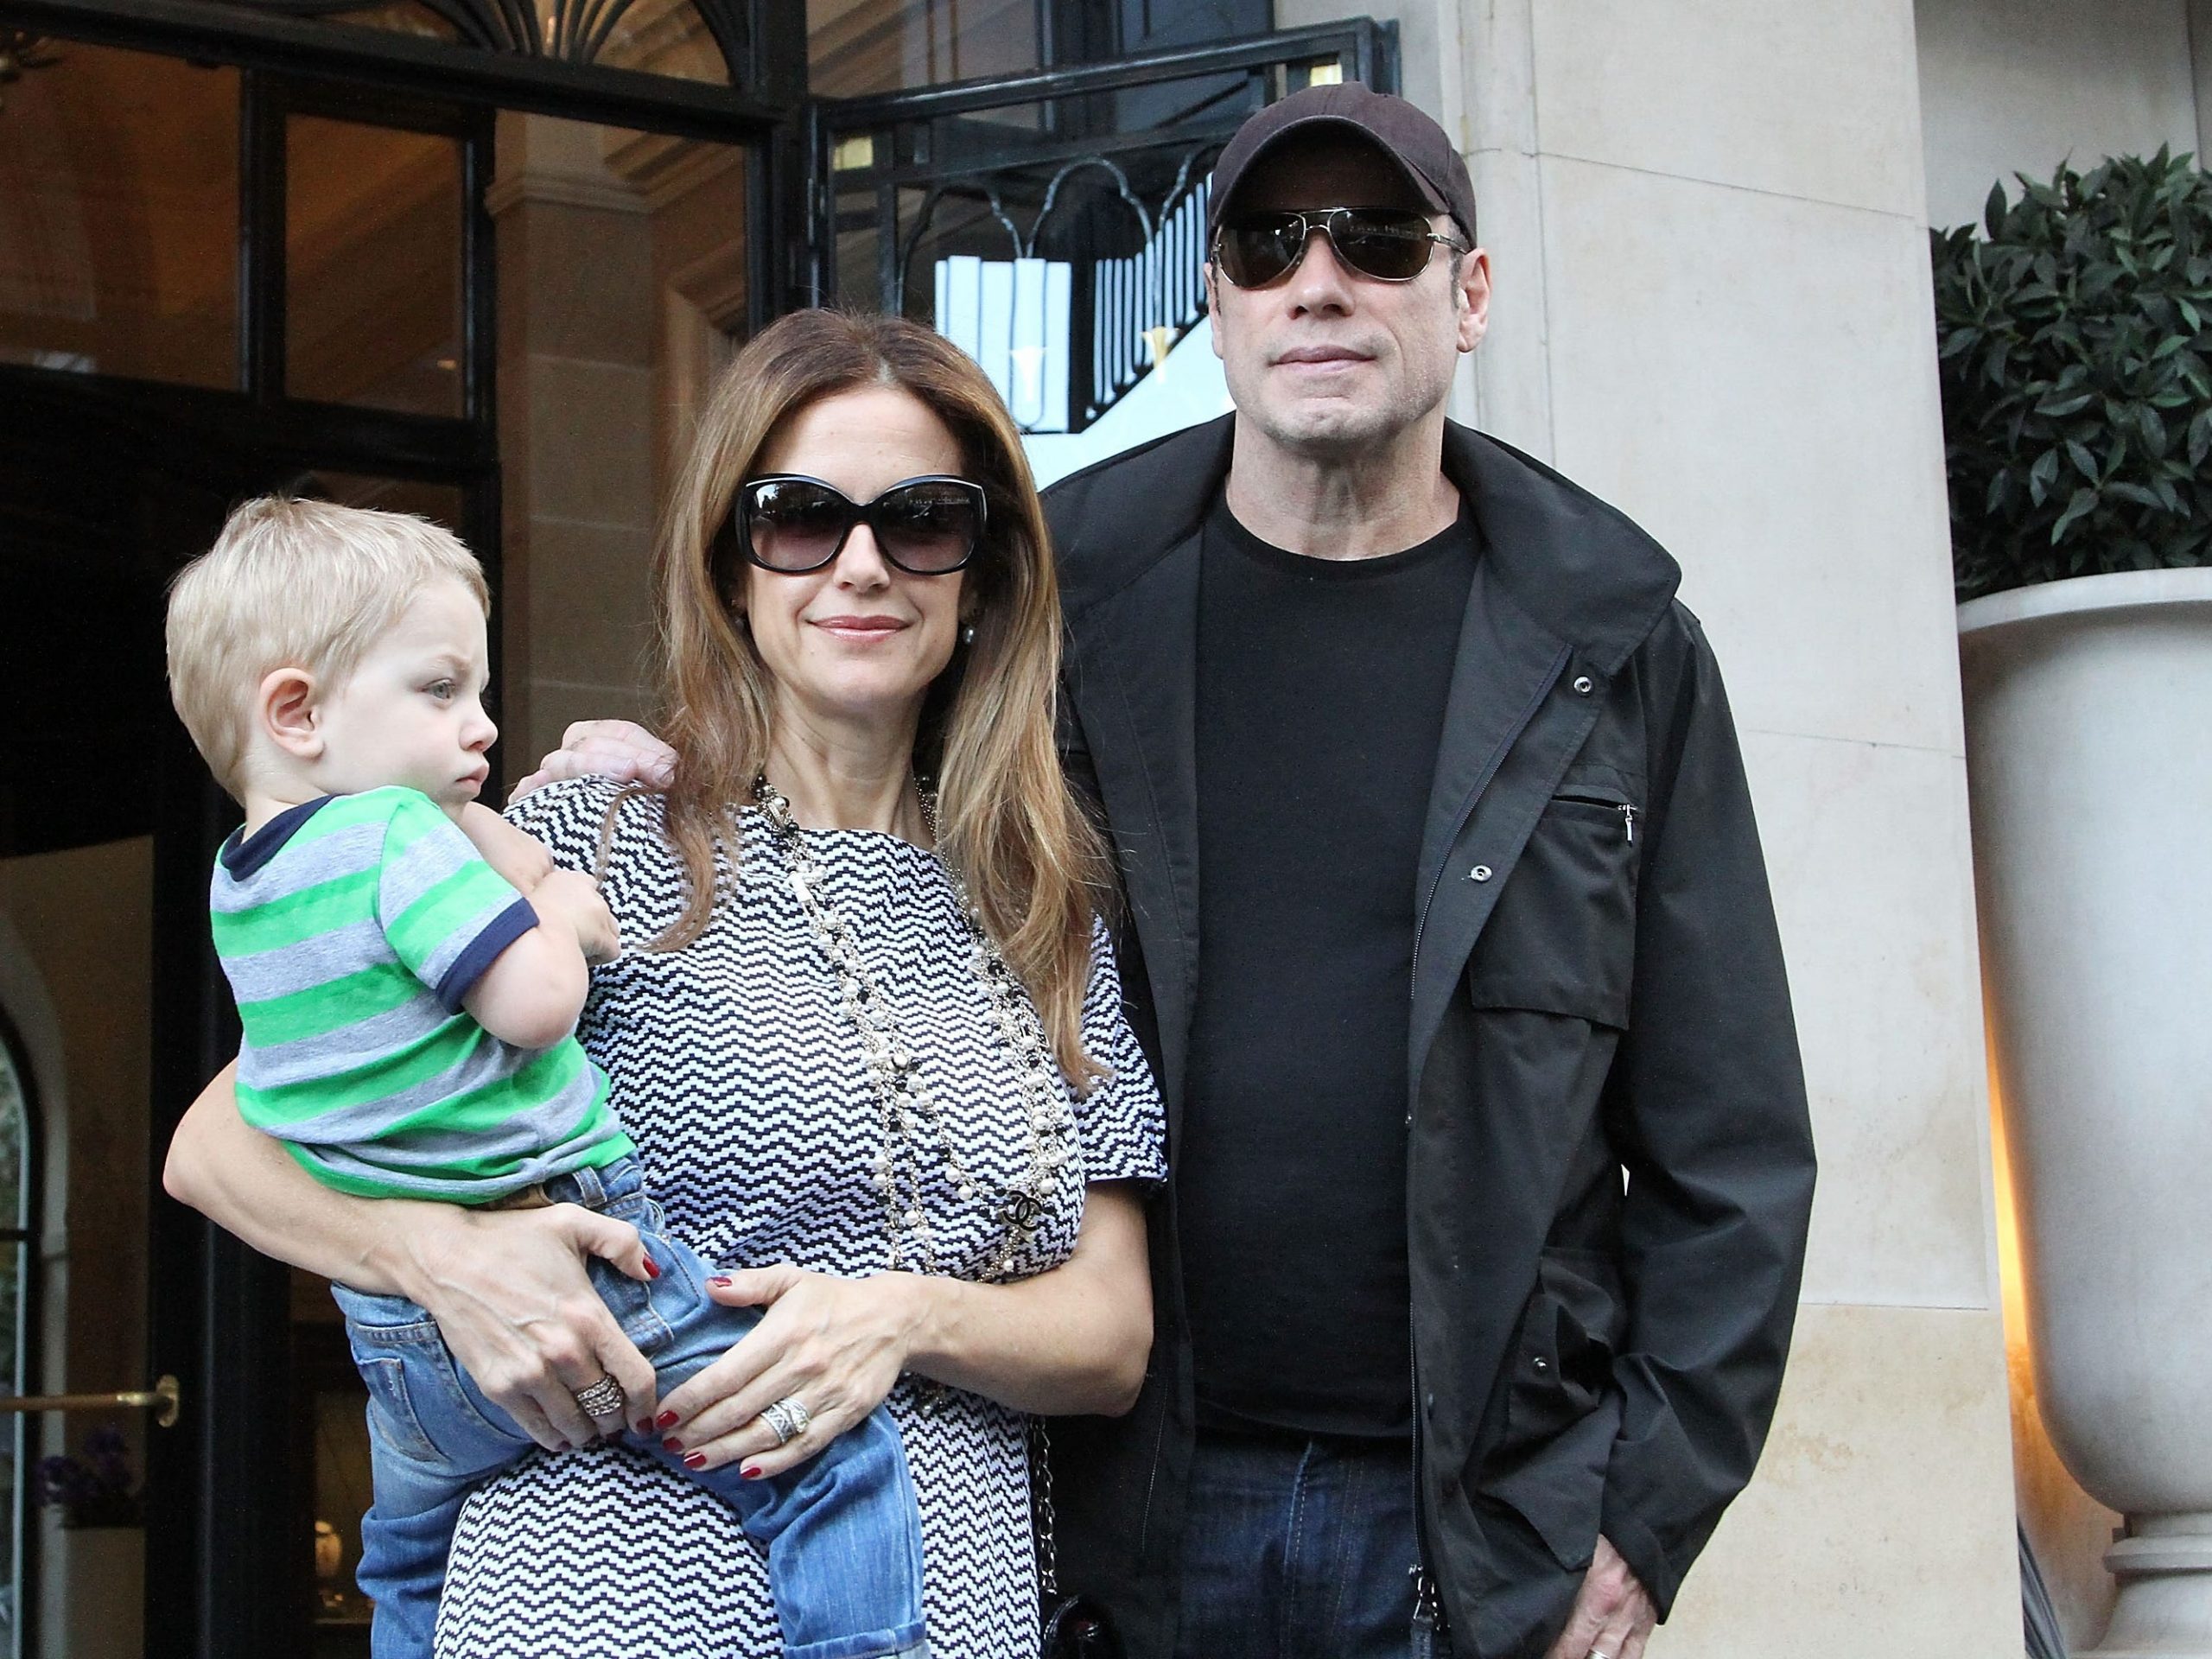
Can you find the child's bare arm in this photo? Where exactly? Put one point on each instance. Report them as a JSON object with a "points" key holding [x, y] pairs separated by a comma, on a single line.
{"points": [[529, 996], [517, 856]]}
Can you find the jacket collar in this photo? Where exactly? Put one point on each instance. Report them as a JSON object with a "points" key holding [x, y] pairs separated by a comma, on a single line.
{"points": [[1580, 566], [1564, 578]]}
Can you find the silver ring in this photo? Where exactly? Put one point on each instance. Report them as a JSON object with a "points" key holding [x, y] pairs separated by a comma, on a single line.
{"points": [[1599, 1653], [787, 1418], [604, 1398]]}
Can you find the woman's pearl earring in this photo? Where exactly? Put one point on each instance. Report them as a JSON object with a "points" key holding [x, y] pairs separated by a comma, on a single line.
{"points": [[967, 634]]}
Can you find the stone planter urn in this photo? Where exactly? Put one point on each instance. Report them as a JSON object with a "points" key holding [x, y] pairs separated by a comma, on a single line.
{"points": [[91, 1593], [2089, 707]]}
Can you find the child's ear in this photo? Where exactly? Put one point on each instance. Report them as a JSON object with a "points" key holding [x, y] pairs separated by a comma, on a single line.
{"points": [[286, 708]]}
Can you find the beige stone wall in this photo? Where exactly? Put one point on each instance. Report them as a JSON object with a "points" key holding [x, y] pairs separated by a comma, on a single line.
{"points": [[2018, 85], [1707, 222], [576, 422]]}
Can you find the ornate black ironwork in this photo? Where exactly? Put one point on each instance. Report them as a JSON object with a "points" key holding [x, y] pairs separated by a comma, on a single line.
{"points": [[21, 51], [567, 31], [1142, 300], [1097, 171]]}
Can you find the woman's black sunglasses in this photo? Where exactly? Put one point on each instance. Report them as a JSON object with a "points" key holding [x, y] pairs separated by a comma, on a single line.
{"points": [[1390, 244], [927, 527]]}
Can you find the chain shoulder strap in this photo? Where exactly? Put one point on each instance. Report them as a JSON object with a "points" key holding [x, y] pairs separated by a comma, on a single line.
{"points": [[1042, 1519]]}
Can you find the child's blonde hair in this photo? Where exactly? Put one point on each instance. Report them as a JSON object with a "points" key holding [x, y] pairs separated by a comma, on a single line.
{"points": [[293, 584]]}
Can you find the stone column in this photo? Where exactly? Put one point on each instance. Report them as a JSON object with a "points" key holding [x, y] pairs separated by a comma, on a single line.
{"points": [[1707, 225], [576, 422]]}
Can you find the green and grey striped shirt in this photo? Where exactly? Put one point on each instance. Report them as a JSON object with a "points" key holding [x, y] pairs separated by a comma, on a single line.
{"points": [[351, 928]]}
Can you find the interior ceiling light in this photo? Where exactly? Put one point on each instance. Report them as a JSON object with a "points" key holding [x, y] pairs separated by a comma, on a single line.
{"points": [[21, 51]]}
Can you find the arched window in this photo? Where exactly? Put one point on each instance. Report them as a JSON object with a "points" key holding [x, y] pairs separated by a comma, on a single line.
{"points": [[19, 1148]]}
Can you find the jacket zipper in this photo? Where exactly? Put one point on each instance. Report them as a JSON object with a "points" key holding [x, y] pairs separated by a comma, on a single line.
{"points": [[1627, 811], [1428, 1603]]}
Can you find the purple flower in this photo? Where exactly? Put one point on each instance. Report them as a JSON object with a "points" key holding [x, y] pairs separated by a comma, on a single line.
{"points": [[96, 1490]]}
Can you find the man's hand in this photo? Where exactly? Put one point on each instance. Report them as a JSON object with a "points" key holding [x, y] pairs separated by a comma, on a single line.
{"points": [[604, 748], [1612, 1617]]}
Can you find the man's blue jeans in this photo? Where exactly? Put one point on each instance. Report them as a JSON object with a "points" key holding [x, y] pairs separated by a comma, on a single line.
{"points": [[1301, 1549], [843, 1533]]}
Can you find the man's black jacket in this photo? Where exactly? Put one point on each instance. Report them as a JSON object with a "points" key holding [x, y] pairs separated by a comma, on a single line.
{"points": [[1598, 987]]}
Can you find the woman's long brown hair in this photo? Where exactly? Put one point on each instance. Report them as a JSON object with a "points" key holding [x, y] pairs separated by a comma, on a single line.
{"points": [[1006, 822]]}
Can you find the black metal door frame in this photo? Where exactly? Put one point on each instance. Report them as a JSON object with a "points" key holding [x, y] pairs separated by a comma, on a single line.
{"points": [[228, 1564]]}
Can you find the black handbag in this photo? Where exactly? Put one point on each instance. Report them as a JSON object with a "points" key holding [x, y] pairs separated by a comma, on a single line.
{"points": [[1077, 1629], [1073, 1627]]}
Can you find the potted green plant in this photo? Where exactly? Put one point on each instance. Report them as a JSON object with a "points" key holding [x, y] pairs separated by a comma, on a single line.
{"points": [[2075, 344], [2073, 331]]}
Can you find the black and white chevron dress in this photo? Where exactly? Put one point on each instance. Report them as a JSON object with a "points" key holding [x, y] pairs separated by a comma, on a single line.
{"points": [[737, 1074]]}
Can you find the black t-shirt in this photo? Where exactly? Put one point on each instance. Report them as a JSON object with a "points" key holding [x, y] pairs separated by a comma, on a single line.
{"points": [[1321, 687]]}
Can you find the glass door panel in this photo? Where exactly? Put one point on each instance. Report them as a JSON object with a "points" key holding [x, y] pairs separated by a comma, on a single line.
{"points": [[374, 221], [119, 215]]}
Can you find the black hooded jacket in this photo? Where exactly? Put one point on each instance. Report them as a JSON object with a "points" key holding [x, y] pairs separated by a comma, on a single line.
{"points": [[1597, 991]]}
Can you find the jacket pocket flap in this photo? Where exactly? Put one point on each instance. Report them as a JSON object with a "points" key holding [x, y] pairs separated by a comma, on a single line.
{"points": [[1559, 1488], [1600, 1002]]}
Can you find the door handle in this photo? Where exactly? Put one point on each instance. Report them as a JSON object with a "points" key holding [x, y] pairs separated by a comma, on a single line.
{"points": [[163, 1400]]}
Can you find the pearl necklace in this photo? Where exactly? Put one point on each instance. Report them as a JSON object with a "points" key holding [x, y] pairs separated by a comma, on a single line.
{"points": [[914, 1125]]}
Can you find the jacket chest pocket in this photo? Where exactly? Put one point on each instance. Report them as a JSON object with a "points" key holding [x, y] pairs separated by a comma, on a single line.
{"points": [[1561, 939]]}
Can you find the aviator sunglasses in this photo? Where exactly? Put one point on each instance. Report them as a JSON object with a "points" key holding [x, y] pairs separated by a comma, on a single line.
{"points": [[1388, 244], [792, 524]]}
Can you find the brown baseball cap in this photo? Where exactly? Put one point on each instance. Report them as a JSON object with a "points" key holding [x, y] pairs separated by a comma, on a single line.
{"points": [[1415, 144]]}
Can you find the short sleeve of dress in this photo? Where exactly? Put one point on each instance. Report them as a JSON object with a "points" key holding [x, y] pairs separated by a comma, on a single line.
{"points": [[1122, 1126]]}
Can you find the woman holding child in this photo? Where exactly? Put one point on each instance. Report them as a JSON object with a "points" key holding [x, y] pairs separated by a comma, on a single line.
{"points": [[865, 872]]}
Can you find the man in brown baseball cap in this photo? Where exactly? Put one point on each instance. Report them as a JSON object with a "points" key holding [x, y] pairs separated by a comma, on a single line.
{"points": [[1490, 1161]]}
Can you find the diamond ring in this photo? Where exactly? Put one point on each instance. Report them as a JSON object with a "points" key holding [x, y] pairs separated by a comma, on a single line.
{"points": [[787, 1418]]}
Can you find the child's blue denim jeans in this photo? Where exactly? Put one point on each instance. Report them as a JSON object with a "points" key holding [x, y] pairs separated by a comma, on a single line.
{"points": [[842, 1531]]}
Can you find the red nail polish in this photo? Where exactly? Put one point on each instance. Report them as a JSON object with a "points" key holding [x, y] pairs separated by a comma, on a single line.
{"points": [[666, 1420], [695, 1460], [720, 1281], [645, 1425], [671, 1443], [565, 1446], [751, 1472], [652, 1269]]}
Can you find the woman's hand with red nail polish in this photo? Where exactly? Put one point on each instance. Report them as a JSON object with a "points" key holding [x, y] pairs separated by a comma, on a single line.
{"points": [[836, 1345]]}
